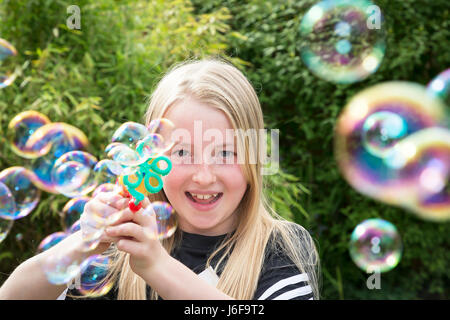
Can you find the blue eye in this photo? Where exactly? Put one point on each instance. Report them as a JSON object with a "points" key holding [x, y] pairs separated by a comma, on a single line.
{"points": [[225, 153], [178, 152]]}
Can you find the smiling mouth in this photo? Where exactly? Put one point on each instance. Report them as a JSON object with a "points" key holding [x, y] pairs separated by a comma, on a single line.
{"points": [[204, 201]]}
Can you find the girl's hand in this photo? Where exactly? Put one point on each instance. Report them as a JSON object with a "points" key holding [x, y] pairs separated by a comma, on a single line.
{"points": [[98, 213], [134, 233]]}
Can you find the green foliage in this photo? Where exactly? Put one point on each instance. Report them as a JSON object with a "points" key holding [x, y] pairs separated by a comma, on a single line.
{"points": [[100, 76]]}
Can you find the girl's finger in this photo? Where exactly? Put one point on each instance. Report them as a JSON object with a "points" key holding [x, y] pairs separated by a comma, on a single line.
{"points": [[121, 217], [145, 217], [128, 246], [99, 209], [113, 199], [128, 229], [145, 203]]}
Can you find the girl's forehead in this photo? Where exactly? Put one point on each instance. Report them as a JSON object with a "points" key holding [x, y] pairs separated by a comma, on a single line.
{"points": [[191, 115]]}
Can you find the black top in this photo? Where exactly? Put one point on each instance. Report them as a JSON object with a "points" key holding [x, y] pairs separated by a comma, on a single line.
{"points": [[279, 278]]}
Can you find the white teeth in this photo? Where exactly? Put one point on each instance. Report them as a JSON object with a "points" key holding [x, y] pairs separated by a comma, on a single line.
{"points": [[204, 196]]}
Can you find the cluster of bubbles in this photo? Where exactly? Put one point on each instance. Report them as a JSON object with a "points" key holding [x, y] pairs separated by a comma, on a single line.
{"points": [[392, 144], [392, 140], [60, 165], [342, 41]]}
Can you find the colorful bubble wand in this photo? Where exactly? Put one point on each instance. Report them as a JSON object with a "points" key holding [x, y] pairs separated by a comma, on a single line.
{"points": [[147, 179]]}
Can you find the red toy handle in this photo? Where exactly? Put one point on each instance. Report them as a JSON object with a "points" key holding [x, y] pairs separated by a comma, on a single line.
{"points": [[133, 207]]}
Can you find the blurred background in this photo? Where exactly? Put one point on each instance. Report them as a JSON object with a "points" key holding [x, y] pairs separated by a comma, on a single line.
{"points": [[99, 76]]}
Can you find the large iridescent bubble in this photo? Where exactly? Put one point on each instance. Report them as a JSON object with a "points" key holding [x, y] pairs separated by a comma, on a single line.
{"points": [[375, 123], [73, 174], [20, 182], [21, 128], [342, 41], [8, 63], [375, 246]]}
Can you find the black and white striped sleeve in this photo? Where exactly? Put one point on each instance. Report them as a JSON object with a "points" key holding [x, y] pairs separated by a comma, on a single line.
{"points": [[281, 280]]}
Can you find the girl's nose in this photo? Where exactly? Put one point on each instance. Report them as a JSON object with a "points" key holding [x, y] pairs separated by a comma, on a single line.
{"points": [[204, 174]]}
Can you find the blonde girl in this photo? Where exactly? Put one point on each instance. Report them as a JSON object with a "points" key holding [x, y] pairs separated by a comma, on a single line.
{"points": [[229, 243]]}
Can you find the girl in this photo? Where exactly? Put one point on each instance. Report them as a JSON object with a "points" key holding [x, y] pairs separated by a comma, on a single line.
{"points": [[229, 243]]}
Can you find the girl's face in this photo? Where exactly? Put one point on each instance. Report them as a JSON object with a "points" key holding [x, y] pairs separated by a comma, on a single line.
{"points": [[204, 166]]}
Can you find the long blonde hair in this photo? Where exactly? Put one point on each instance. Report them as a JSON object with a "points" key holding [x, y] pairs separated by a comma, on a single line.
{"points": [[221, 85]]}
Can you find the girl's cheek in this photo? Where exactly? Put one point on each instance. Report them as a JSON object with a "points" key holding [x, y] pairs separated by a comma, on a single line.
{"points": [[175, 177]]}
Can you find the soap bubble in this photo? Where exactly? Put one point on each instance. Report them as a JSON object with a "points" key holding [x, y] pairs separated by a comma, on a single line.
{"points": [[21, 127], [105, 171], [73, 174], [93, 280], [340, 42], [51, 240], [91, 232], [124, 155], [129, 133], [8, 63], [425, 155], [61, 267], [375, 245], [7, 203], [365, 162], [381, 130], [166, 222], [19, 181], [19, 237], [57, 138], [72, 211], [5, 227], [161, 135], [61, 138], [440, 86], [151, 146], [125, 140], [93, 225]]}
